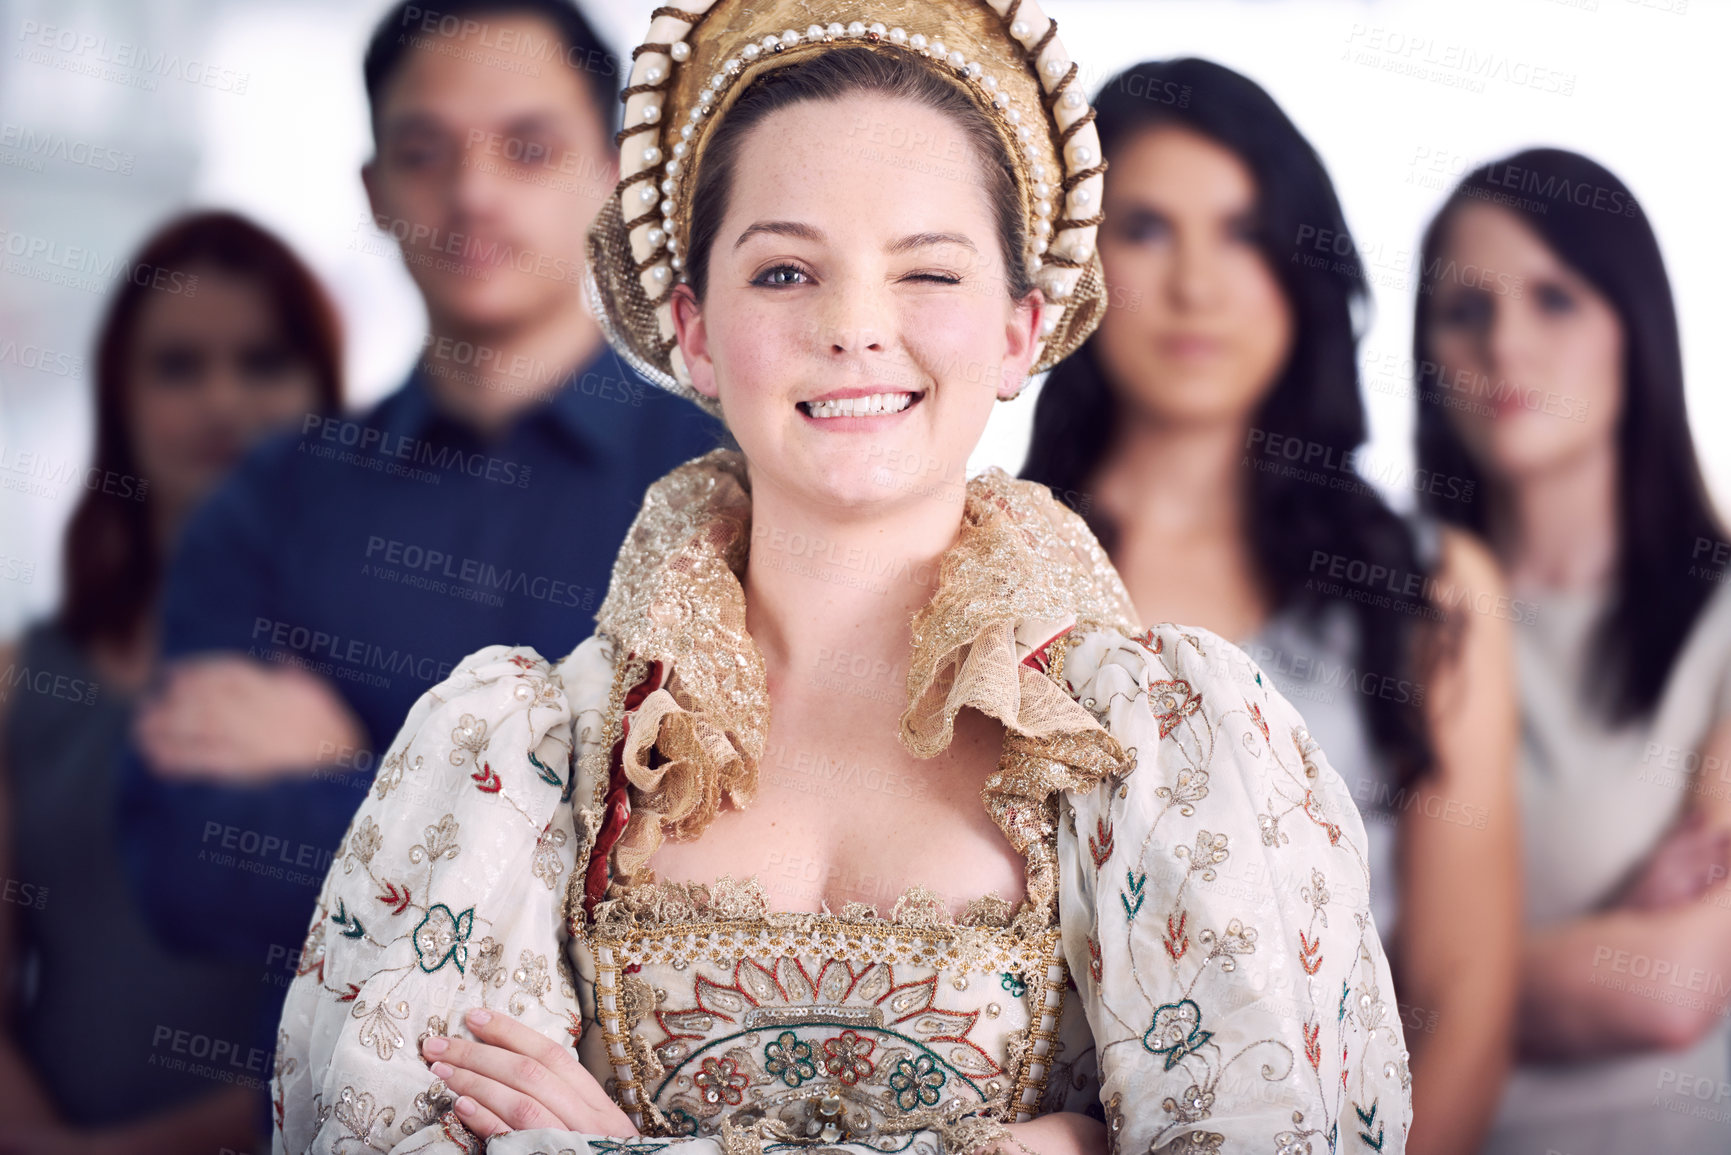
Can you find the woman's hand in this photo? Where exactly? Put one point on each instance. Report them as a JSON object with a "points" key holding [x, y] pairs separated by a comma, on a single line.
{"points": [[513, 1078], [236, 719], [1688, 858]]}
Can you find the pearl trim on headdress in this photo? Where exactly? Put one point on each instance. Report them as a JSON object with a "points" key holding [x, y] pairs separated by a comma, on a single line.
{"points": [[652, 189]]}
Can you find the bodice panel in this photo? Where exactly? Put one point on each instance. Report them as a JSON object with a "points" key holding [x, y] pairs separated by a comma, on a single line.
{"points": [[824, 1029]]}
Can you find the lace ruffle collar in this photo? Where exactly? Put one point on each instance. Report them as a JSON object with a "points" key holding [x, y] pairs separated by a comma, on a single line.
{"points": [[1022, 571]]}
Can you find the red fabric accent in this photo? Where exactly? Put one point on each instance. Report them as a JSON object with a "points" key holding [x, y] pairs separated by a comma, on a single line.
{"points": [[1041, 658], [617, 806]]}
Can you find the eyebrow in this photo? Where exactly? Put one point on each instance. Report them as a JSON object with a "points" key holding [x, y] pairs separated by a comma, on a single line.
{"points": [[811, 233], [920, 240], [419, 121], [530, 122], [406, 123]]}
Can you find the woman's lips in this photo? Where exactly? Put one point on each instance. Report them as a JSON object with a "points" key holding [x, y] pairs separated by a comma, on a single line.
{"points": [[1191, 346]]}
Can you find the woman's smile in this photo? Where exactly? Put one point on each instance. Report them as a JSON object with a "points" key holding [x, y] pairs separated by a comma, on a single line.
{"points": [[865, 407]]}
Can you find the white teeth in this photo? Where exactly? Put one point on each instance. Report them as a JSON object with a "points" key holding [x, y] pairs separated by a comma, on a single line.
{"points": [[871, 406]]}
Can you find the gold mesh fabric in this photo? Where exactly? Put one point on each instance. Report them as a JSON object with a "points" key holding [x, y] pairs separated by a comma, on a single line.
{"points": [[1023, 566], [675, 599], [1032, 71], [618, 303], [1020, 557]]}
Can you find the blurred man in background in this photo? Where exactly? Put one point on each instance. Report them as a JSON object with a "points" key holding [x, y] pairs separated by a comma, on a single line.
{"points": [[349, 565]]}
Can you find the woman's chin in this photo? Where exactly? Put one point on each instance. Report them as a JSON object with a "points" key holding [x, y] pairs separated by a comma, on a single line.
{"points": [[1522, 443], [856, 483], [861, 465]]}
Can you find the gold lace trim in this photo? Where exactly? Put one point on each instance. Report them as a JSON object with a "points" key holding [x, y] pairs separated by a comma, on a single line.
{"points": [[660, 904], [658, 923], [675, 598], [1021, 558], [1022, 565]]}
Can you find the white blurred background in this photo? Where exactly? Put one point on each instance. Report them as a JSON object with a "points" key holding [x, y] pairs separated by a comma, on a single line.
{"points": [[1644, 97]]}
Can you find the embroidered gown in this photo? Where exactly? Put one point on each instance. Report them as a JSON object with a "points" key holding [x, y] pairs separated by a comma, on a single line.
{"points": [[1195, 959]]}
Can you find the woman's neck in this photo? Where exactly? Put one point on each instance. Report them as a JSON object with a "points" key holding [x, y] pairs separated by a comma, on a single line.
{"points": [[1166, 478], [822, 590], [1556, 528], [1176, 495]]}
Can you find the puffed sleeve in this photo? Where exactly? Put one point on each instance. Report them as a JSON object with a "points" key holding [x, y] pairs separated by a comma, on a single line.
{"points": [[1215, 910], [446, 893]]}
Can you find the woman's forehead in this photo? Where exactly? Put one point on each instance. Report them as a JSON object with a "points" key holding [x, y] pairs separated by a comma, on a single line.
{"points": [[868, 157]]}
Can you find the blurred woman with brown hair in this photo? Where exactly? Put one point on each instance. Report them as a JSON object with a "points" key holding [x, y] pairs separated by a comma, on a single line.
{"points": [[217, 334], [1551, 376]]}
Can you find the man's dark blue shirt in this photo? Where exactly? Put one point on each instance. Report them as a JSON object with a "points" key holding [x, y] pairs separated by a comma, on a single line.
{"points": [[379, 551]]}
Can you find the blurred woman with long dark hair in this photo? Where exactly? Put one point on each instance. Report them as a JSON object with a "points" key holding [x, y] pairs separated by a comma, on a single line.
{"points": [[1550, 374], [217, 334], [1208, 432]]}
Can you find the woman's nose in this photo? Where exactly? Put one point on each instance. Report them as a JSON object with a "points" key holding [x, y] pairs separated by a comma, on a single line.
{"points": [[853, 322], [1192, 276], [854, 339]]}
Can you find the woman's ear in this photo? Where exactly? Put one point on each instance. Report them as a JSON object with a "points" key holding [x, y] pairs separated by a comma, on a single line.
{"points": [[1021, 340], [693, 339]]}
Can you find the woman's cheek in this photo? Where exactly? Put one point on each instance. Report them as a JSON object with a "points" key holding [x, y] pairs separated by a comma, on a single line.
{"points": [[760, 344], [285, 400], [1455, 360], [1597, 372], [1590, 398], [1137, 306], [949, 335], [1264, 313]]}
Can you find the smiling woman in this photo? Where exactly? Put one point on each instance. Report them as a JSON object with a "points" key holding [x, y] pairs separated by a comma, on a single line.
{"points": [[1126, 909], [877, 316]]}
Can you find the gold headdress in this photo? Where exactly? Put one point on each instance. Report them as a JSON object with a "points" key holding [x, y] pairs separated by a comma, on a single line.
{"points": [[699, 58]]}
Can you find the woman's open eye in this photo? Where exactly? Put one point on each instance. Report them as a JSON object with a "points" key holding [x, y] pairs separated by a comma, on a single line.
{"points": [[769, 276], [1140, 226], [530, 151], [1553, 298], [1244, 229], [1464, 310], [266, 365], [178, 364]]}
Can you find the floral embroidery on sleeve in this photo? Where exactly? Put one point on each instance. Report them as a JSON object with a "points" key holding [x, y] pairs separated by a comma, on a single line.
{"points": [[1216, 912], [451, 865]]}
